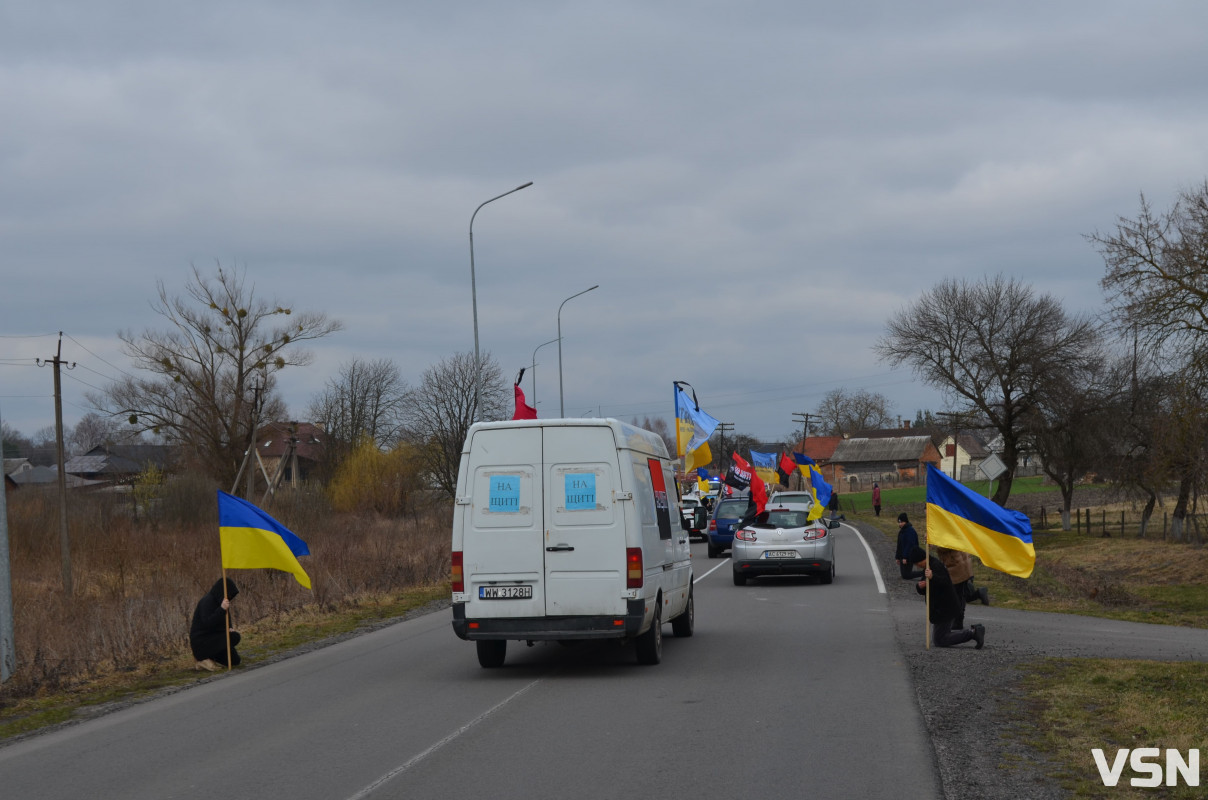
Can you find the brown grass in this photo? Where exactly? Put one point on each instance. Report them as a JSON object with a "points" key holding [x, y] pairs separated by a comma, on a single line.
{"points": [[136, 582]]}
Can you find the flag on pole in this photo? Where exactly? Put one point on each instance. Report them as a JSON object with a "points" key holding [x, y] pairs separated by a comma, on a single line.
{"points": [[698, 458], [785, 468], [523, 409], [693, 427], [251, 539], [738, 476], [764, 465], [822, 492], [963, 520]]}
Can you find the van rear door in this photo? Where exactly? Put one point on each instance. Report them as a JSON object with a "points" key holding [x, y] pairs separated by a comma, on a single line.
{"points": [[503, 527], [584, 544]]}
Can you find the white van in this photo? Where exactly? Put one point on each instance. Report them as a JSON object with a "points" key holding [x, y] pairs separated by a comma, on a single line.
{"points": [[568, 529]]}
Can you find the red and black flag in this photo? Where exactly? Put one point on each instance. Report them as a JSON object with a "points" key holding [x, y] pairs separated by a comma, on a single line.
{"points": [[523, 409], [739, 474], [786, 468]]}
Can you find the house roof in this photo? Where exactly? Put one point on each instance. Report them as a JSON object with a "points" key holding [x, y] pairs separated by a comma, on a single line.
{"points": [[273, 439], [44, 476], [902, 448], [821, 448], [13, 465], [139, 454], [102, 464]]}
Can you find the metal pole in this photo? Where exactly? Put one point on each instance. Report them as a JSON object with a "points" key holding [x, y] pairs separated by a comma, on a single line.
{"points": [[474, 289], [8, 652], [561, 400], [534, 369]]}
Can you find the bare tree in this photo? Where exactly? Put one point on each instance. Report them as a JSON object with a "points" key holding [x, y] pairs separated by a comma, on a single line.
{"points": [[990, 345], [364, 399], [90, 431], [1156, 282], [437, 414], [860, 410], [659, 427], [222, 343]]}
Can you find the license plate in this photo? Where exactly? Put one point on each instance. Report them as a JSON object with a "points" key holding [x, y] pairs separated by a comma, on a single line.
{"points": [[505, 592], [781, 554]]}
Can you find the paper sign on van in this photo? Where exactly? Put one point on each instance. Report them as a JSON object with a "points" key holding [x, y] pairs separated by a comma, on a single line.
{"points": [[504, 494], [580, 491]]}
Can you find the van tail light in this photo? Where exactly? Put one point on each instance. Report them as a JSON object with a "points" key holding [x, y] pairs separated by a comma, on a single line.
{"points": [[458, 575], [633, 568]]}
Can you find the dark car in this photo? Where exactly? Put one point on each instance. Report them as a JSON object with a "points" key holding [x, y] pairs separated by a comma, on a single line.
{"points": [[727, 513]]}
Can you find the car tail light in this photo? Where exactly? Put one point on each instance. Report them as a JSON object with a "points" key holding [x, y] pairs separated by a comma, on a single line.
{"points": [[745, 534], [459, 578], [713, 526], [633, 568], [814, 533]]}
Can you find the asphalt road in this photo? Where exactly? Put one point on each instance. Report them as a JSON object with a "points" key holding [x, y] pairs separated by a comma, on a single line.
{"points": [[788, 689]]}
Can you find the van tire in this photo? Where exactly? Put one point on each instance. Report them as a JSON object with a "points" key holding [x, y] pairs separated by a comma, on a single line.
{"points": [[492, 652], [650, 643], [682, 625]]}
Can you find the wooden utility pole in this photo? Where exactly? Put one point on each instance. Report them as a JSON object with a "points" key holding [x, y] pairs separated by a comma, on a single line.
{"points": [[804, 418], [64, 541], [8, 650], [723, 456]]}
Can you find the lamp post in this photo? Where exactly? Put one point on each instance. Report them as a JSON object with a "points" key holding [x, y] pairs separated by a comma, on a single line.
{"points": [[561, 400], [474, 290], [534, 368]]}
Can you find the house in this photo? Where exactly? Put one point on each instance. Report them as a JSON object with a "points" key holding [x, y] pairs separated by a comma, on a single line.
{"points": [[116, 463], [9, 484], [857, 462], [820, 449], [13, 466], [967, 451], [44, 477], [293, 449]]}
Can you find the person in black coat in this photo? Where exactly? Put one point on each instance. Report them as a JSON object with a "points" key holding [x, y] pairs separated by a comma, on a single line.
{"points": [[908, 539], [945, 605], [208, 631]]}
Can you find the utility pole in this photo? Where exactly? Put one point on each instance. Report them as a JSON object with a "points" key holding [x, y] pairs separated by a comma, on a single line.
{"points": [[804, 418], [64, 541], [722, 427], [954, 419]]}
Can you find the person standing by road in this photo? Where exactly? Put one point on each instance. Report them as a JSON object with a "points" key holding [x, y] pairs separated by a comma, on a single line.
{"points": [[876, 499], [208, 631], [908, 539], [944, 607]]}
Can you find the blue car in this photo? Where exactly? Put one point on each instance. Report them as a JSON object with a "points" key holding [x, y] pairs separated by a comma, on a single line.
{"points": [[727, 513]]}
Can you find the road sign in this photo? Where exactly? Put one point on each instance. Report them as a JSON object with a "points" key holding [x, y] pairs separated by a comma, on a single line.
{"points": [[992, 466]]}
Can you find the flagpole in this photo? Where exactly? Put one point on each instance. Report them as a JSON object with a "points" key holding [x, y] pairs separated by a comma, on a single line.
{"points": [[927, 562], [227, 611]]}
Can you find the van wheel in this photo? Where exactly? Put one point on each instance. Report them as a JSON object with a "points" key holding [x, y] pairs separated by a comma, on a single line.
{"points": [[682, 625], [739, 580], [491, 652], [650, 643]]}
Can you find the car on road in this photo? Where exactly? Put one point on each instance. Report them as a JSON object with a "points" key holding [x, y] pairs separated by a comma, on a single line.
{"points": [[695, 518], [783, 541], [727, 513], [779, 498]]}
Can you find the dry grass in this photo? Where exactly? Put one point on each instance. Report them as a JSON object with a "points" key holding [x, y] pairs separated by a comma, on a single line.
{"points": [[135, 583]]}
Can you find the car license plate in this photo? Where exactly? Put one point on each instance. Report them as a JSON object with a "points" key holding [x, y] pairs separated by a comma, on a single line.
{"points": [[505, 592], [781, 554]]}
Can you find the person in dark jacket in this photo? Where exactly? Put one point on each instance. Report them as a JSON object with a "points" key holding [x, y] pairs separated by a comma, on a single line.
{"points": [[908, 539], [208, 632], [945, 605]]}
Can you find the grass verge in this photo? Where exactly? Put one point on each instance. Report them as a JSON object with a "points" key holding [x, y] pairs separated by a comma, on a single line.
{"points": [[1081, 704], [263, 640]]}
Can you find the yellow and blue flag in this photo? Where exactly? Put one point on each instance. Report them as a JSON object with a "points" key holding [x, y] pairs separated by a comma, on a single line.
{"points": [[822, 492], [251, 539], [963, 520], [693, 427], [765, 465]]}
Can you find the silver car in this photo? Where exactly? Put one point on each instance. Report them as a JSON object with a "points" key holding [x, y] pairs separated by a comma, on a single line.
{"points": [[781, 542]]}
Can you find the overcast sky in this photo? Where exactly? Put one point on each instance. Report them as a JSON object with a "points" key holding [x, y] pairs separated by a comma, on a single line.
{"points": [[756, 187]]}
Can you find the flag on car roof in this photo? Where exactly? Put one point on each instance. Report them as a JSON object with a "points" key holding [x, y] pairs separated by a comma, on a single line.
{"points": [[738, 476], [523, 409], [764, 465], [251, 539], [963, 520], [822, 492], [786, 468]]}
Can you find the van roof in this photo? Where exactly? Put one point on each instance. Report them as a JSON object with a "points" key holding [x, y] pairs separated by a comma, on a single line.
{"points": [[628, 437]]}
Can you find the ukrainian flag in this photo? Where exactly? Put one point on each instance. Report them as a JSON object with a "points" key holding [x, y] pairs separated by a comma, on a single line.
{"points": [[251, 539], [822, 494], [962, 520]]}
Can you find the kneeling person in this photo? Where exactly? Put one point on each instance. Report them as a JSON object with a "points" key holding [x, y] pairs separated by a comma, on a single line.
{"points": [[208, 632], [946, 607]]}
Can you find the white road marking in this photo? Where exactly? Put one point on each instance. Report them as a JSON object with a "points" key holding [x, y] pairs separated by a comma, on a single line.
{"points": [[399, 770], [710, 572], [872, 561]]}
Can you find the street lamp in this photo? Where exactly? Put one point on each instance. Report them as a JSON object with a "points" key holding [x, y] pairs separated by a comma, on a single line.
{"points": [[474, 289], [534, 368], [561, 401]]}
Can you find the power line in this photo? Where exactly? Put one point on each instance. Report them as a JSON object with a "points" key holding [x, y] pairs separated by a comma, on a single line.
{"points": [[94, 355]]}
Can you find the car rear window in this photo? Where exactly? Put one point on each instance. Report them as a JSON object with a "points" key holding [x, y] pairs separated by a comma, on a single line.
{"points": [[782, 519], [733, 509]]}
